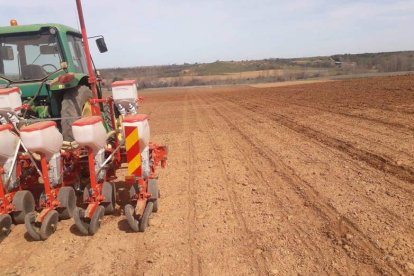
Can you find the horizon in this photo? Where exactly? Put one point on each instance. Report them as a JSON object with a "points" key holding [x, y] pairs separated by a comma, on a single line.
{"points": [[177, 32], [246, 60]]}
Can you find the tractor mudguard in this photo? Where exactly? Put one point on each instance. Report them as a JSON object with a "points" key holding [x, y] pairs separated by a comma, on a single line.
{"points": [[68, 80]]}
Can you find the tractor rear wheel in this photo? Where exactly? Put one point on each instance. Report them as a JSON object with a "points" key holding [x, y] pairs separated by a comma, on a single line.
{"points": [[24, 203], [73, 102]]}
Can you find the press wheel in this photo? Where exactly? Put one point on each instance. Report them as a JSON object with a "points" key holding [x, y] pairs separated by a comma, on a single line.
{"points": [[32, 227], [96, 220], [24, 203], [108, 192], [67, 199], [5, 225], [49, 224], [143, 223], [130, 215], [79, 218], [155, 193]]}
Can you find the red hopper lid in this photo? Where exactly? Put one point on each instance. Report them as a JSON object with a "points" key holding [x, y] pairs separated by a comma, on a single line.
{"points": [[38, 126], [135, 118], [123, 83], [91, 120], [6, 127]]}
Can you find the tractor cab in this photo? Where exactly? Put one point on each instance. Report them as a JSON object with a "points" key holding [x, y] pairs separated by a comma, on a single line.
{"points": [[44, 61]]}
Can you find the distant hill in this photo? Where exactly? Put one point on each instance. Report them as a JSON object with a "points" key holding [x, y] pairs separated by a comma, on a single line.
{"points": [[266, 70]]}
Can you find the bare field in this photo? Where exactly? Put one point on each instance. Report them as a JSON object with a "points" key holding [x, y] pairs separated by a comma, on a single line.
{"points": [[305, 179]]}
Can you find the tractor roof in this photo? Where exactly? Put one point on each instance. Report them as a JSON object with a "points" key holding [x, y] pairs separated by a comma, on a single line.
{"points": [[35, 28]]}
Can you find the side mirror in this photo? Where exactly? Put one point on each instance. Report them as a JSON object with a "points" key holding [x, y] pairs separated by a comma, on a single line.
{"points": [[6, 53], [100, 42]]}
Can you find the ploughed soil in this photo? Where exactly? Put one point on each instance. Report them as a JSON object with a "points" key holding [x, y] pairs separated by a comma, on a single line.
{"points": [[305, 179]]}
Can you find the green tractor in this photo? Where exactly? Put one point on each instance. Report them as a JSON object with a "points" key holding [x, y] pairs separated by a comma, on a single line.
{"points": [[48, 62]]}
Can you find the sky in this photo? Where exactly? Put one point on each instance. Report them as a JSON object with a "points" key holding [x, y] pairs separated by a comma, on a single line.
{"points": [[159, 32]]}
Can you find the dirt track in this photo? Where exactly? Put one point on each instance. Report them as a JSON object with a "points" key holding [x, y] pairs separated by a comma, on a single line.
{"points": [[306, 179]]}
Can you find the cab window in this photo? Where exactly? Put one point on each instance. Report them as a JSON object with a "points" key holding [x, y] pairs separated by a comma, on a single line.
{"points": [[30, 56], [78, 53]]}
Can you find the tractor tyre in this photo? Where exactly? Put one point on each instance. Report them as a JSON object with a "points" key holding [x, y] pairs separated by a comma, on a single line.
{"points": [[154, 191], [24, 203], [108, 191], [67, 199], [73, 102]]}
